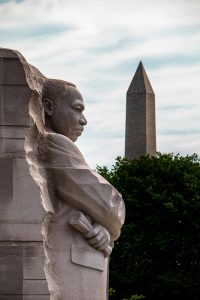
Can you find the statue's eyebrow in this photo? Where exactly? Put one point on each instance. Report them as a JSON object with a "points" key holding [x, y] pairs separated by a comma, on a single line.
{"points": [[78, 102]]}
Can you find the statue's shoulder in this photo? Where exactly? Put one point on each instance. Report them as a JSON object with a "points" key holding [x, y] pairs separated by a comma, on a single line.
{"points": [[59, 139], [62, 142]]}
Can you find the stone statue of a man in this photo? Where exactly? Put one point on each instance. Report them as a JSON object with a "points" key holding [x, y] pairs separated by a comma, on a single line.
{"points": [[84, 213]]}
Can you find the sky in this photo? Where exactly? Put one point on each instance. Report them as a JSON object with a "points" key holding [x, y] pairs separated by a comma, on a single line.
{"points": [[98, 44]]}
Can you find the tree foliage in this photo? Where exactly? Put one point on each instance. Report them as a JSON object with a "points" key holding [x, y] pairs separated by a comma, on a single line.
{"points": [[158, 253]]}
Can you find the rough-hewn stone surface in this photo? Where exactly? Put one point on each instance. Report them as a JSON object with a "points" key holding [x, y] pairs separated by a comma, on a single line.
{"points": [[76, 264], [84, 213], [21, 213], [140, 117]]}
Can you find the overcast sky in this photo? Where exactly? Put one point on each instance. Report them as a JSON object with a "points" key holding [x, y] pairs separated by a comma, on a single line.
{"points": [[98, 44]]}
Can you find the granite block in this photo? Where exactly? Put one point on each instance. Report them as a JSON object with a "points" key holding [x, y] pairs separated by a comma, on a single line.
{"points": [[11, 270], [32, 250], [7, 53], [1, 71], [13, 73], [6, 185], [15, 106], [35, 287], [34, 267], [13, 132], [11, 146], [36, 297], [20, 232], [12, 297], [26, 194]]}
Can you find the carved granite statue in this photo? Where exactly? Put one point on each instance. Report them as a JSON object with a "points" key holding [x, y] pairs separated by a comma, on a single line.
{"points": [[84, 213]]}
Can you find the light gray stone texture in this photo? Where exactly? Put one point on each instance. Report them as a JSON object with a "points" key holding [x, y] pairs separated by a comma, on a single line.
{"points": [[85, 257], [1, 71], [35, 297], [35, 287], [8, 53], [21, 212], [13, 231], [23, 187], [12, 297], [140, 117], [11, 270], [33, 268], [15, 97], [33, 262], [6, 184], [13, 73]]}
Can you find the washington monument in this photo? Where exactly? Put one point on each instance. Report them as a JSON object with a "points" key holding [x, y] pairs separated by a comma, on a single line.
{"points": [[140, 117]]}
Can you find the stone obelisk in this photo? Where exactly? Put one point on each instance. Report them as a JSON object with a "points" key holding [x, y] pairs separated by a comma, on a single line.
{"points": [[140, 117]]}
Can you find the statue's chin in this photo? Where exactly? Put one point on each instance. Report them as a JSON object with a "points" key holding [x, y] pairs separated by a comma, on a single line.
{"points": [[74, 139]]}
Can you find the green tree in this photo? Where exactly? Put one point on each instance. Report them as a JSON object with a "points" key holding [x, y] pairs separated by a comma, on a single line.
{"points": [[158, 253]]}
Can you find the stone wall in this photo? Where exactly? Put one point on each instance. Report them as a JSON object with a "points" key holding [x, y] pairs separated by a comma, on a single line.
{"points": [[21, 252]]}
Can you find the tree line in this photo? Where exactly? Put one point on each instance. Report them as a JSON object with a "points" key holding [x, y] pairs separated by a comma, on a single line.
{"points": [[158, 253]]}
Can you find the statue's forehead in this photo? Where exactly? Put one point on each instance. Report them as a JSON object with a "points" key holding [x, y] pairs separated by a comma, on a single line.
{"points": [[72, 94]]}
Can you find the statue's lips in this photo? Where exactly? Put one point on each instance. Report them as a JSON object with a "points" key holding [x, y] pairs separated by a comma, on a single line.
{"points": [[79, 131]]}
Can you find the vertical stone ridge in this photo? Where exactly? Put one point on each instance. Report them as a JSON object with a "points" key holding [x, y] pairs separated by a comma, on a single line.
{"points": [[140, 116]]}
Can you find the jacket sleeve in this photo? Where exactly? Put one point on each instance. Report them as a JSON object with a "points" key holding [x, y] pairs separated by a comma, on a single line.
{"points": [[82, 188], [87, 191]]}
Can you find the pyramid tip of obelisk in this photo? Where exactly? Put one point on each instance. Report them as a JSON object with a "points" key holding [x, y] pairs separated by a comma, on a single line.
{"points": [[140, 81]]}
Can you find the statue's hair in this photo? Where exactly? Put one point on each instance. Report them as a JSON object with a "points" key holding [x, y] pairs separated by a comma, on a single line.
{"points": [[55, 89]]}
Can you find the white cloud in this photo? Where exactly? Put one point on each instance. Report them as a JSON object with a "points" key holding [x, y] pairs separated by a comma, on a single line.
{"points": [[98, 44]]}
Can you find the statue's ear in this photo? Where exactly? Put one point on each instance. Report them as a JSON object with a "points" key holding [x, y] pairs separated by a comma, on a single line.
{"points": [[48, 106]]}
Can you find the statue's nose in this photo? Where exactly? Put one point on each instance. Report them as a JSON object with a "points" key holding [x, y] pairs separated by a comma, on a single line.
{"points": [[83, 120]]}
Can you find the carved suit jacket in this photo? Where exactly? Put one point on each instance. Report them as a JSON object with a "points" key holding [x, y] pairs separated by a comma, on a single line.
{"points": [[75, 183]]}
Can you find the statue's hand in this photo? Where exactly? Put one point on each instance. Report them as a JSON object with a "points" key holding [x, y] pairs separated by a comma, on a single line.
{"points": [[98, 236]]}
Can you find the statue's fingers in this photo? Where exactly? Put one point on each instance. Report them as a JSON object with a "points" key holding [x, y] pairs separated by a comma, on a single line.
{"points": [[88, 234], [92, 233], [96, 239], [100, 242], [104, 245], [103, 238]]}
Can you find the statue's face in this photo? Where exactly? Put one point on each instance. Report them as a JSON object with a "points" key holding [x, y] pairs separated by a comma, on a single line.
{"points": [[67, 115]]}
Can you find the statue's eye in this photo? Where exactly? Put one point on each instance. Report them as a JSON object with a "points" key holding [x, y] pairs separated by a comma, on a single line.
{"points": [[79, 108]]}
